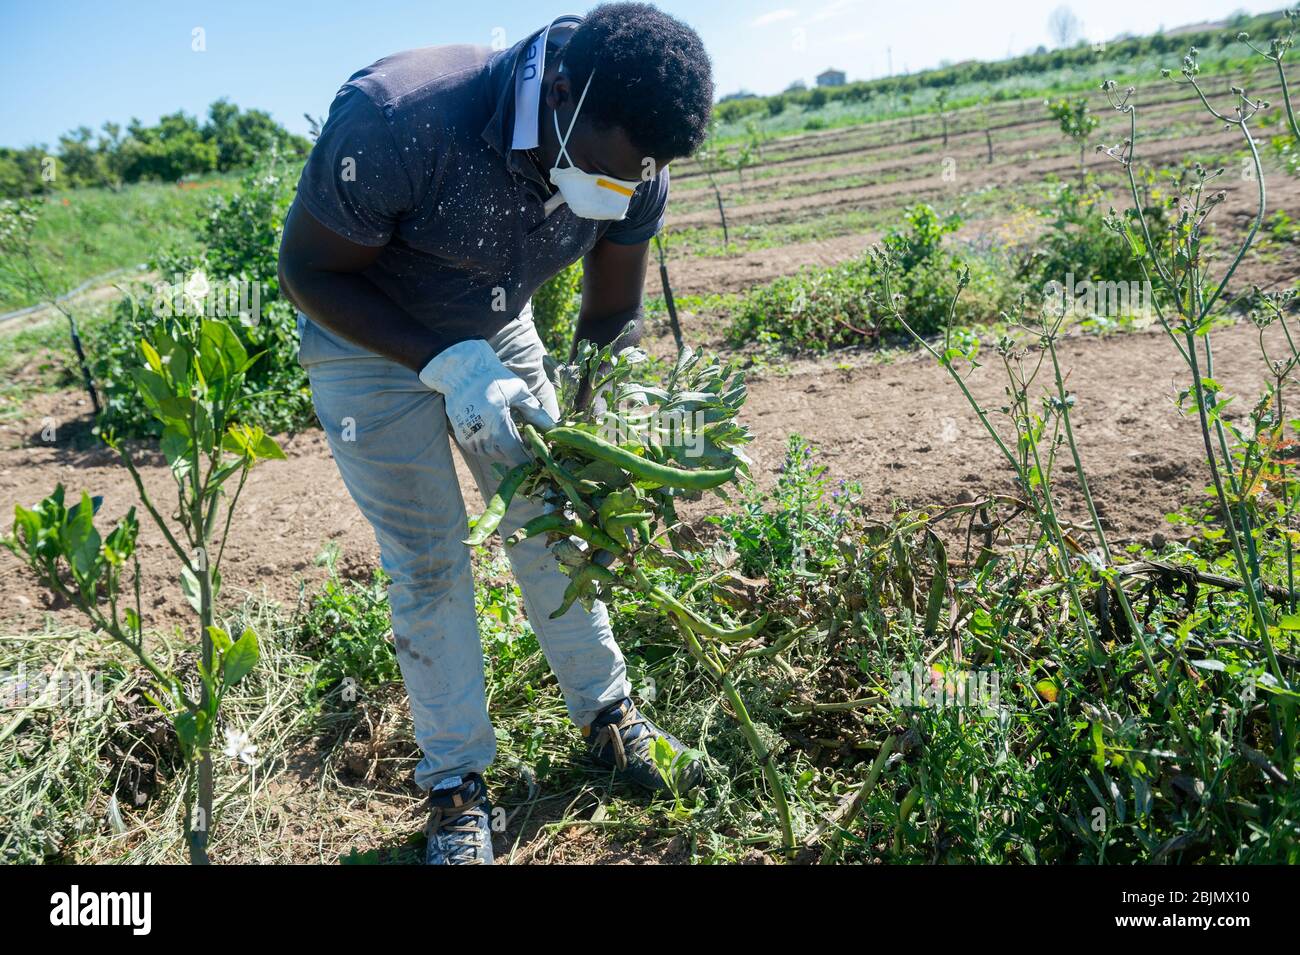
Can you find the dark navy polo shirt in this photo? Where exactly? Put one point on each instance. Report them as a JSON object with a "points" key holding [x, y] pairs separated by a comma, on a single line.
{"points": [[415, 157]]}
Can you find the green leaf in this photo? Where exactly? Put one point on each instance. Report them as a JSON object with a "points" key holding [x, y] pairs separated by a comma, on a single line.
{"points": [[268, 449], [221, 354], [190, 588], [221, 641], [251, 442], [221, 474], [235, 440], [192, 591], [175, 446], [187, 729], [80, 540], [174, 353], [1099, 749], [938, 584], [120, 543], [240, 659], [151, 356], [157, 703], [153, 389], [29, 522], [175, 408], [663, 754]]}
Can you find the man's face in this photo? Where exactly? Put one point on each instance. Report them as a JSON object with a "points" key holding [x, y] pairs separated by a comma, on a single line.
{"points": [[605, 152]]}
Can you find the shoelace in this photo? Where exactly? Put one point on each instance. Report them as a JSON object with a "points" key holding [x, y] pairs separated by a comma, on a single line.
{"points": [[613, 733], [461, 836]]}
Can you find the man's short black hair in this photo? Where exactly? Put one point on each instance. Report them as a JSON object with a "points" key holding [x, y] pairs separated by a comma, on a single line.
{"points": [[653, 77]]}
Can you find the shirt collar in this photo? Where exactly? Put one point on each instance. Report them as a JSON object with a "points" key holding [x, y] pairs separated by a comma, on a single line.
{"points": [[528, 80], [506, 69]]}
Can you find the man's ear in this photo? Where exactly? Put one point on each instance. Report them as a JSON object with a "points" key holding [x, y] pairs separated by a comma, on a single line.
{"points": [[559, 93]]}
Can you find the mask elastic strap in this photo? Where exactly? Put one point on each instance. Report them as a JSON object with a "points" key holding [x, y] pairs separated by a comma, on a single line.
{"points": [[564, 140]]}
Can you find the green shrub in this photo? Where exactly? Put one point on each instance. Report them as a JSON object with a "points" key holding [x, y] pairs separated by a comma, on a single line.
{"points": [[237, 248], [840, 307], [823, 309], [791, 529], [555, 309], [345, 629], [1076, 241], [923, 239]]}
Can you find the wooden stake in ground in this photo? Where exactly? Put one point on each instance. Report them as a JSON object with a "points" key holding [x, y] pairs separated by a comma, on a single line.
{"points": [[668, 293]]}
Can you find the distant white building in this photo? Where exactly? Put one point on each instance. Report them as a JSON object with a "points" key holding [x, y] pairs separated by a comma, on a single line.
{"points": [[831, 78]]}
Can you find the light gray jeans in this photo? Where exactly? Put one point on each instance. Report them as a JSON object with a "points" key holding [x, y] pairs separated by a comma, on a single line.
{"points": [[390, 439]]}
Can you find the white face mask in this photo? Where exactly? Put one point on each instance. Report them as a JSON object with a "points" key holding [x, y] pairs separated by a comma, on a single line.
{"points": [[589, 196]]}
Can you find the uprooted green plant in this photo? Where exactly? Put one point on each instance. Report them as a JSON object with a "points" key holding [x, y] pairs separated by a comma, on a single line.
{"points": [[191, 377], [611, 474]]}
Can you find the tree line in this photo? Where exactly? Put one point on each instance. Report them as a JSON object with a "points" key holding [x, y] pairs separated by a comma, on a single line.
{"points": [[178, 145]]}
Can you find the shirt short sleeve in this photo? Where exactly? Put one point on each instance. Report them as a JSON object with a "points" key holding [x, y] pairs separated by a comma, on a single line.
{"points": [[645, 213], [355, 182]]}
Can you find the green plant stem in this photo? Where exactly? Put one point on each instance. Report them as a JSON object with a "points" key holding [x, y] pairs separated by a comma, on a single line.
{"points": [[1053, 525], [1253, 585], [720, 675], [1252, 588], [1138, 631], [230, 512], [1286, 100], [905, 811], [848, 810], [149, 506]]}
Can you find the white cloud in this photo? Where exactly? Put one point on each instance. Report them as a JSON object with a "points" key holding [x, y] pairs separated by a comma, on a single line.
{"points": [[775, 16], [832, 9]]}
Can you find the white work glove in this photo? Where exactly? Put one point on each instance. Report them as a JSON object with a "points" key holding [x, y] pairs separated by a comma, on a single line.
{"points": [[480, 391]]}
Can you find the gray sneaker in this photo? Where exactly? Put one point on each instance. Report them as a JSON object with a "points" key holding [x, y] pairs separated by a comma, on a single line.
{"points": [[460, 825]]}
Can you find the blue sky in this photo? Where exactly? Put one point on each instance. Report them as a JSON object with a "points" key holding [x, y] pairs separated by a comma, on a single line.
{"points": [[64, 64]]}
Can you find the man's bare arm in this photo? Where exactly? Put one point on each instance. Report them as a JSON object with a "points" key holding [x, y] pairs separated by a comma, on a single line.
{"points": [[320, 272], [613, 276]]}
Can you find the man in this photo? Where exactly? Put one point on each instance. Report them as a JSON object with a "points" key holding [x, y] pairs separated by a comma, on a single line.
{"points": [[449, 183]]}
